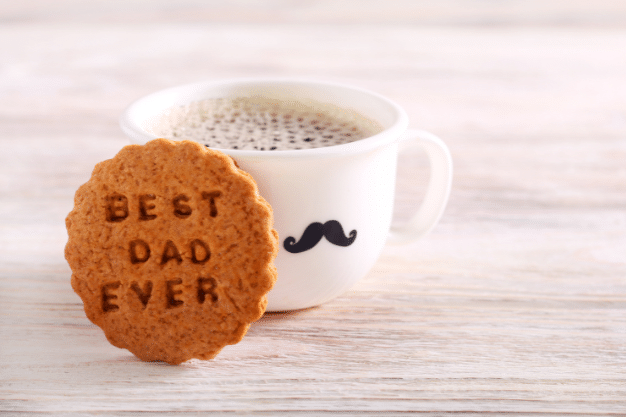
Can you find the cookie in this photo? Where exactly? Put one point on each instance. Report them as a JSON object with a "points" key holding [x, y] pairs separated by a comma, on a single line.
{"points": [[171, 249]]}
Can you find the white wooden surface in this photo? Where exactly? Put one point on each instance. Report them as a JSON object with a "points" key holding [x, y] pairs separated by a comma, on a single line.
{"points": [[516, 303]]}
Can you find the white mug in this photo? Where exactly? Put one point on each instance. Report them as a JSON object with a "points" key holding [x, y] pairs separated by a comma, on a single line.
{"points": [[342, 194]]}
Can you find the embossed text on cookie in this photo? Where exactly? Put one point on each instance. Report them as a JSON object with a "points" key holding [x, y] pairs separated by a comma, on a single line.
{"points": [[117, 206], [205, 290], [139, 252]]}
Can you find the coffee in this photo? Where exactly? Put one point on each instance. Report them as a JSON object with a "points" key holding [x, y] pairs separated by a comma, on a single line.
{"points": [[261, 123]]}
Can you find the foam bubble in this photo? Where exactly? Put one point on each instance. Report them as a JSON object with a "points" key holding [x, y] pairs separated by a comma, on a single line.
{"points": [[259, 123]]}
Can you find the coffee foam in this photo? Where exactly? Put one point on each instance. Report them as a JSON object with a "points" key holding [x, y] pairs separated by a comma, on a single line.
{"points": [[261, 123]]}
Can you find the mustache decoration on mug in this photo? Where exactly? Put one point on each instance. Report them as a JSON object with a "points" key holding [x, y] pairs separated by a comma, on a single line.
{"points": [[331, 230]]}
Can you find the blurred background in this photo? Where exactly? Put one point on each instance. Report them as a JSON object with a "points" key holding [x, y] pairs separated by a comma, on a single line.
{"points": [[494, 79]]}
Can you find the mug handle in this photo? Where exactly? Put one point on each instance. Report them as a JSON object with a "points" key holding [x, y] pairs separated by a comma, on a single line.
{"points": [[437, 192]]}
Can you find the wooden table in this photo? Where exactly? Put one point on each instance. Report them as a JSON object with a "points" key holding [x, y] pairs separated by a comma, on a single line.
{"points": [[516, 303]]}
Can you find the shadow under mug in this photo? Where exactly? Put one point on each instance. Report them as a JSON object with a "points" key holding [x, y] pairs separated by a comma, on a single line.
{"points": [[343, 191]]}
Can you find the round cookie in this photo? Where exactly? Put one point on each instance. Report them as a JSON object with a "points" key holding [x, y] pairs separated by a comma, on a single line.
{"points": [[171, 249]]}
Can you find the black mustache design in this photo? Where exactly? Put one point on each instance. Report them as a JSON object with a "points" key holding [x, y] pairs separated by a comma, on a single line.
{"points": [[331, 230]]}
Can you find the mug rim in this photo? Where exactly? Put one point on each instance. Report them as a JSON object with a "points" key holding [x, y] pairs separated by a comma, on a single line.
{"points": [[390, 134]]}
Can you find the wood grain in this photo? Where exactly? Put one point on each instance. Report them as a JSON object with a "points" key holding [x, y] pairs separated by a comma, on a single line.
{"points": [[515, 304]]}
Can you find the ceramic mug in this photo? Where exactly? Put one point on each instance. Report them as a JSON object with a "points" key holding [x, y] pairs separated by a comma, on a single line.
{"points": [[332, 205]]}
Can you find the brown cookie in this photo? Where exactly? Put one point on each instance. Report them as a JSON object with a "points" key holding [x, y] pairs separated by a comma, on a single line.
{"points": [[171, 249]]}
